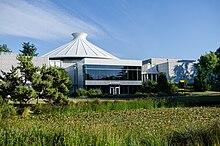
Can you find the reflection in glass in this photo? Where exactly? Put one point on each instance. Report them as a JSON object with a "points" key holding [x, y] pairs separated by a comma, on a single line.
{"points": [[107, 72]]}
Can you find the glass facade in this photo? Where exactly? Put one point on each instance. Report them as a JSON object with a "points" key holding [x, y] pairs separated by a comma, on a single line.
{"points": [[110, 72]]}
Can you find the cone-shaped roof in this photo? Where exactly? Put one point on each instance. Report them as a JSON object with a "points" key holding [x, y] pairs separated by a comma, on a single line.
{"points": [[79, 47]]}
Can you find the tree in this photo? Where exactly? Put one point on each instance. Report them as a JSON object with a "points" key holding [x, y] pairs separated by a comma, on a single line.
{"points": [[26, 68], [206, 77], [19, 86], [217, 52], [149, 86], [8, 82], [24, 94], [161, 86], [162, 83], [217, 69], [201, 82], [4, 48], [29, 49], [52, 84]]}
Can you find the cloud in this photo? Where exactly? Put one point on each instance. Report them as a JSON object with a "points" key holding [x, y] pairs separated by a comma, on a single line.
{"points": [[41, 20]]}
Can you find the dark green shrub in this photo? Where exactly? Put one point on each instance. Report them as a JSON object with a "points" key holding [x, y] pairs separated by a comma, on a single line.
{"points": [[162, 83], [94, 93], [149, 86], [172, 88], [201, 84], [6, 110], [81, 92]]}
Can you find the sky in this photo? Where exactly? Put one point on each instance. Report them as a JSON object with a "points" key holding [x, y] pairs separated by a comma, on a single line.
{"points": [[128, 29]]}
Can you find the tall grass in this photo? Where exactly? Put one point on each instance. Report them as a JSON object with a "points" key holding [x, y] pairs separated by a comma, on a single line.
{"points": [[162, 126], [100, 106], [128, 122], [192, 135]]}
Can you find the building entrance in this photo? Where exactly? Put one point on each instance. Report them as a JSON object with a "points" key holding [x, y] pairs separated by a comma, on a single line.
{"points": [[114, 90]]}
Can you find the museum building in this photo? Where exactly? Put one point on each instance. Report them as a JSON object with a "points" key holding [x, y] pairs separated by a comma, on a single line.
{"points": [[91, 67]]}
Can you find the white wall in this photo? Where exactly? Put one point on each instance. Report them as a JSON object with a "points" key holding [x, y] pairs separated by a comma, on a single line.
{"points": [[7, 61], [175, 69]]}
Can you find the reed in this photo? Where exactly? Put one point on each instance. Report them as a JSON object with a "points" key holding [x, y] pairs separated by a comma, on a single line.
{"points": [[154, 126]]}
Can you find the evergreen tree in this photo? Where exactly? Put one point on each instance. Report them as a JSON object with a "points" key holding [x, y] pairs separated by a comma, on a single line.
{"points": [[18, 86], [4, 48], [52, 84], [26, 68], [8, 82], [162, 83], [24, 94], [29, 49]]}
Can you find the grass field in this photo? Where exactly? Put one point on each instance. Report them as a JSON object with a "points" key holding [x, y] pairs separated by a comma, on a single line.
{"points": [[184, 120], [163, 126]]}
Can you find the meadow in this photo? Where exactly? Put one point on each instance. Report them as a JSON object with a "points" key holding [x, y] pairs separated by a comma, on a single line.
{"points": [[163, 126], [149, 121]]}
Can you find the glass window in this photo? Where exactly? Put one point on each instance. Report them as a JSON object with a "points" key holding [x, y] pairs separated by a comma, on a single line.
{"points": [[107, 72]]}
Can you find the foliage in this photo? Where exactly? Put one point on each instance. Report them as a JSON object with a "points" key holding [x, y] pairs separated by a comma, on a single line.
{"points": [[122, 104], [206, 67], [81, 92], [172, 88], [26, 68], [6, 110], [4, 48], [217, 69], [18, 87], [8, 82], [162, 86], [191, 135], [24, 94], [201, 83], [162, 83], [94, 92], [29, 49], [163, 126], [149, 86], [52, 84]]}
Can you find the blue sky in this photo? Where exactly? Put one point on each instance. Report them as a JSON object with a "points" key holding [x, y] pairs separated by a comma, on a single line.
{"points": [[129, 29]]}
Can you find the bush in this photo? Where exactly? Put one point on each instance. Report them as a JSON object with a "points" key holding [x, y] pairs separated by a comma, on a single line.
{"points": [[172, 88], [6, 110], [149, 86], [201, 84], [81, 92], [61, 100], [94, 93], [162, 83]]}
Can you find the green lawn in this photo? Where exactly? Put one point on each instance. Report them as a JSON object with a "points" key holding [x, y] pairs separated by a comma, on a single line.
{"points": [[207, 93]]}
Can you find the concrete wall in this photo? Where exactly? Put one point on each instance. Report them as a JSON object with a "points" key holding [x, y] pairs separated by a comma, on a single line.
{"points": [[175, 69], [182, 71], [7, 61]]}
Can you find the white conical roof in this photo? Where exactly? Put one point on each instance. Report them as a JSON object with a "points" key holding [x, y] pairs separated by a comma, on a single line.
{"points": [[79, 47]]}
